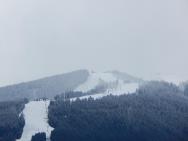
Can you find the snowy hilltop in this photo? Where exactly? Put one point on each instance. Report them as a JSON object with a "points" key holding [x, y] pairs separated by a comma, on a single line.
{"points": [[114, 82]]}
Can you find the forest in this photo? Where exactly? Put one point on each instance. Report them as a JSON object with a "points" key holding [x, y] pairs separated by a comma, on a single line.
{"points": [[39, 137], [157, 111], [11, 120]]}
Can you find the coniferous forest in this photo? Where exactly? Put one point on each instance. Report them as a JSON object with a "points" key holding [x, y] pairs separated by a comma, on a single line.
{"points": [[11, 120], [158, 111], [39, 137]]}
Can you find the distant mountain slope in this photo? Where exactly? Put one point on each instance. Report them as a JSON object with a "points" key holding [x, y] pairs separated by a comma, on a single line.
{"points": [[85, 81], [125, 77], [46, 87], [113, 82]]}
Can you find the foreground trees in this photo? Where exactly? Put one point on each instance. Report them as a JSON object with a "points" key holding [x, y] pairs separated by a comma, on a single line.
{"points": [[39, 137], [158, 111], [11, 120]]}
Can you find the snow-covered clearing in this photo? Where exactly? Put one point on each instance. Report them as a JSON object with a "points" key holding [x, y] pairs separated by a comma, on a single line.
{"points": [[94, 79], [116, 86], [122, 88], [36, 119]]}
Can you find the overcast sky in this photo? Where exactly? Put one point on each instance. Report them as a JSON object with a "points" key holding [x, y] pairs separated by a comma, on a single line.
{"points": [[45, 37]]}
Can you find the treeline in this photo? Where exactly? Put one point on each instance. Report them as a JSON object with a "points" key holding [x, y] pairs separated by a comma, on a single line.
{"points": [[68, 95], [11, 120], [158, 111], [73, 94], [186, 89]]}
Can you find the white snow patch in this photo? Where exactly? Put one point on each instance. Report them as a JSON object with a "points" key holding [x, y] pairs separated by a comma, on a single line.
{"points": [[36, 119], [95, 96], [94, 79], [122, 88], [20, 114]]}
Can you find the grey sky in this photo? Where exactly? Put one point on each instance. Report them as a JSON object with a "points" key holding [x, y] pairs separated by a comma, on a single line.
{"points": [[45, 37]]}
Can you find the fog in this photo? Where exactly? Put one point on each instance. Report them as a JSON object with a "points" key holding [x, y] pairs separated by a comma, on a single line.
{"points": [[43, 37]]}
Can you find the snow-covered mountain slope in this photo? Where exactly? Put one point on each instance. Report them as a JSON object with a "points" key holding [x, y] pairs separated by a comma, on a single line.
{"points": [[80, 80], [36, 120], [113, 82], [94, 80], [121, 89]]}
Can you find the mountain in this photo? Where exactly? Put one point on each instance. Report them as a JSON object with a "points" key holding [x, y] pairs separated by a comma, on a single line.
{"points": [[108, 81], [46, 87], [79, 81]]}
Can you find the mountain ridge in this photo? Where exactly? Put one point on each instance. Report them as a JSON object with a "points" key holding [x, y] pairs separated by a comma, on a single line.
{"points": [[51, 86], [44, 87]]}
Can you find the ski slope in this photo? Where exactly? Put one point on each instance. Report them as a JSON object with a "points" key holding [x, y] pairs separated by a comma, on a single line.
{"points": [[97, 78], [116, 86], [94, 80], [36, 119], [122, 88]]}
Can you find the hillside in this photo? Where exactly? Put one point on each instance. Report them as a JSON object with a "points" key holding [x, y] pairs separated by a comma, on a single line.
{"points": [[78, 81], [11, 120], [46, 87]]}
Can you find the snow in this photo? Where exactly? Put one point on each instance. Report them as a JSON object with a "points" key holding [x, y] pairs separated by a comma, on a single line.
{"points": [[122, 88], [116, 86], [95, 96], [36, 119], [94, 79]]}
